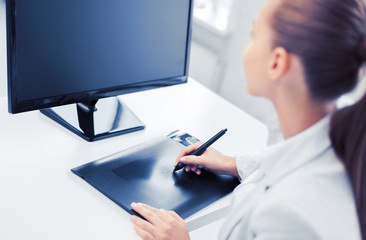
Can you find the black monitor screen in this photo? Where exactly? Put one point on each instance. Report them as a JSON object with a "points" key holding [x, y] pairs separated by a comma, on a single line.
{"points": [[61, 51]]}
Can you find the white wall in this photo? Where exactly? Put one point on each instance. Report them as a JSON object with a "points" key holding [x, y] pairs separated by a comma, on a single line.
{"points": [[234, 81], [3, 68]]}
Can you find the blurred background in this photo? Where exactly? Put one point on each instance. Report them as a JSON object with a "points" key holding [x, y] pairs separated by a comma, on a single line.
{"points": [[221, 32]]}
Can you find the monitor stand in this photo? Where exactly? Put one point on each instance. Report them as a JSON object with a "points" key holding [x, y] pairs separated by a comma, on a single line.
{"points": [[95, 120]]}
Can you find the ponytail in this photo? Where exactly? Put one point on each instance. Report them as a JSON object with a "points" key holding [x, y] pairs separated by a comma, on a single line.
{"points": [[348, 136]]}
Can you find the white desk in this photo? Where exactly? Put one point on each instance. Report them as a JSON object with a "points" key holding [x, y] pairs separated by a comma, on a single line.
{"points": [[41, 199]]}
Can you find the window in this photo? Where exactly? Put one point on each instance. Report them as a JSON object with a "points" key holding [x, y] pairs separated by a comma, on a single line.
{"points": [[214, 13]]}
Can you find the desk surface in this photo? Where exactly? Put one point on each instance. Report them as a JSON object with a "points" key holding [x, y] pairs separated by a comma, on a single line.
{"points": [[42, 199]]}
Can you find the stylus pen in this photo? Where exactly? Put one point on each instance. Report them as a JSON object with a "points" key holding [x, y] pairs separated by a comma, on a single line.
{"points": [[203, 148]]}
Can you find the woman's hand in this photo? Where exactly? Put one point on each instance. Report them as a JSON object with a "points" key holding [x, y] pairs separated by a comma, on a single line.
{"points": [[160, 224], [210, 159]]}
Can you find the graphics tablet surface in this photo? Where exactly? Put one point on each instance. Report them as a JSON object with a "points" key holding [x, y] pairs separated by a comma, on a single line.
{"points": [[144, 173]]}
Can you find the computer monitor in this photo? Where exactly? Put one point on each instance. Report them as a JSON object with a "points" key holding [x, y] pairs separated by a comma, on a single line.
{"points": [[70, 58]]}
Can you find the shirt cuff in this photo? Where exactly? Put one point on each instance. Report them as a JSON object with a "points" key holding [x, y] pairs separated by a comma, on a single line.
{"points": [[246, 165]]}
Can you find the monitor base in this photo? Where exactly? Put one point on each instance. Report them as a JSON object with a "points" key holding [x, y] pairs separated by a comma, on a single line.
{"points": [[96, 120]]}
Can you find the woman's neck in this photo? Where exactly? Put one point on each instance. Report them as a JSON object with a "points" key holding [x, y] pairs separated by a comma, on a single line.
{"points": [[297, 114]]}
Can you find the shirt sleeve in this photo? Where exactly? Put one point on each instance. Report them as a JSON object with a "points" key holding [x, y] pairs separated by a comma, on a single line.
{"points": [[246, 165]]}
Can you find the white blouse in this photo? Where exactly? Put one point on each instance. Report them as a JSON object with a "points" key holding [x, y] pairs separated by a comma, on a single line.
{"points": [[297, 189]]}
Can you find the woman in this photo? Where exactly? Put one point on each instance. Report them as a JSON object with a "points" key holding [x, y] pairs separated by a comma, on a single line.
{"points": [[304, 55]]}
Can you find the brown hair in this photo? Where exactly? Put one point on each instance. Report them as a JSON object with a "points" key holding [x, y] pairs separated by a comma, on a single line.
{"points": [[329, 36]]}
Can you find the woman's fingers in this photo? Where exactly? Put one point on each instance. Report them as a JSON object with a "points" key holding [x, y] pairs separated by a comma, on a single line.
{"points": [[193, 168], [152, 209], [162, 224], [192, 163], [144, 226], [198, 172], [142, 233], [187, 168], [187, 151], [158, 213], [193, 160], [147, 212]]}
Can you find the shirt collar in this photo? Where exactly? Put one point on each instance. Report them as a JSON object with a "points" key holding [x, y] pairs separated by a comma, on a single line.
{"points": [[285, 157]]}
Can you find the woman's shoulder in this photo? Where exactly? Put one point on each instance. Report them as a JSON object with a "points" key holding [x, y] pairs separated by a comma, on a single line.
{"points": [[317, 197]]}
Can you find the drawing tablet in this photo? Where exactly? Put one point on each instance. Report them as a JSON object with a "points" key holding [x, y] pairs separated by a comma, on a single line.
{"points": [[144, 173]]}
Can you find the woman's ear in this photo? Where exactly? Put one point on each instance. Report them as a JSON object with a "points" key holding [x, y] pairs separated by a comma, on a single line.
{"points": [[279, 63]]}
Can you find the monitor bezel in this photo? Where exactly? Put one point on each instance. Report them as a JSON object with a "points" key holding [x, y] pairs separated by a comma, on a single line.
{"points": [[16, 106]]}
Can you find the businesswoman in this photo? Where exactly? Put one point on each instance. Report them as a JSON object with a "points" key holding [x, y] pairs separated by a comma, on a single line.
{"points": [[304, 55]]}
